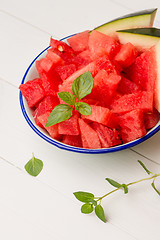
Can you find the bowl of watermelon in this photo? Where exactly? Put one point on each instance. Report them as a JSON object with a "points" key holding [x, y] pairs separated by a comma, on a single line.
{"points": [[94, 93]]}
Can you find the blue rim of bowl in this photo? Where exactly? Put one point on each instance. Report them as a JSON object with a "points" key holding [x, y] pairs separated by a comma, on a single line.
{"points": [[72, 148]]}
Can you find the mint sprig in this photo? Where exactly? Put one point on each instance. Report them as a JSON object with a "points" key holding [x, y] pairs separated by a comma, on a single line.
{"points": [[92, 203], [81, 87]]}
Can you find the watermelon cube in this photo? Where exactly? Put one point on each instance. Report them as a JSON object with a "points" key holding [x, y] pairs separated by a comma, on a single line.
{"points": [[33, 91], [79, 42], [60, 46], [126, 86], [46, 105], [72, 140], [65, 71], [132, 125], [127, 55], [89, 136], [104, 86], [108, 137], [50, 82], [52, 130], [141, 100], [70, 126], [101, 44], [151, 119], [143, 71], [102, 115]]}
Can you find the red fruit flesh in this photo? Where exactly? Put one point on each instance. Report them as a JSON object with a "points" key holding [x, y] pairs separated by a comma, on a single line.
{"points": [[102, 115], [107, 136], [52, 130], [79, 42], [132, 125], [72, 140], [127, 55], [70, 126], [141, 100], [33, 91], [89, 136]]}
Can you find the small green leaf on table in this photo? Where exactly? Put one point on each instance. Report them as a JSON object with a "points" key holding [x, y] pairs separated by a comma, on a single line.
{"points": [[34, 166]]}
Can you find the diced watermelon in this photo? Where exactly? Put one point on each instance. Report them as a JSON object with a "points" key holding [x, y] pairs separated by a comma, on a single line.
{"points": [[151, 119], [141, 100], [70, 126], [126, 86], [60, 46], [50, 82], [79, 42], [46, 105], [102, 115], [72, 140], [33, 91], [79, 61], [143, 71], [127, 55], [108, 137], [104, 86], [52, 130], [132, 125], [65, 71], [86, 55], [89, 136], [100, 44]]}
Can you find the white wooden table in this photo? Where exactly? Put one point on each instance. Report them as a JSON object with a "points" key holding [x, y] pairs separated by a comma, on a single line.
{"points": [[44, 208]]}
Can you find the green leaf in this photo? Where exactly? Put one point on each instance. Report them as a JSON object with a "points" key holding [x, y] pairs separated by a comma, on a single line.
{"points": [[34, 166], [93, 202], [83, 108], [87, 208], [144, 167], [154, 187], [82, 85], [84, 196], [125, 188], [100, 213], [59, 114], [114, 183], [67, 97]]}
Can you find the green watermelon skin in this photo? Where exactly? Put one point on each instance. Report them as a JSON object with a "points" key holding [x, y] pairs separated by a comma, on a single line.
{"points": [[132, 125]]}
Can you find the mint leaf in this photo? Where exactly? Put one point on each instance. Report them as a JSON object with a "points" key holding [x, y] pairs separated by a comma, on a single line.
{"points": [[154, 187], [125, 188], [83, 108], [67, 97], [34, 166], [87, 208], [100, 213], [59, 114], [114, 183], [82, 85], [144, 167], [84, 196]]}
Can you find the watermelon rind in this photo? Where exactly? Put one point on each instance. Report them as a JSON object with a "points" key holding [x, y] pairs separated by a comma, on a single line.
{"points": [[141, 19], [141, 38]]}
